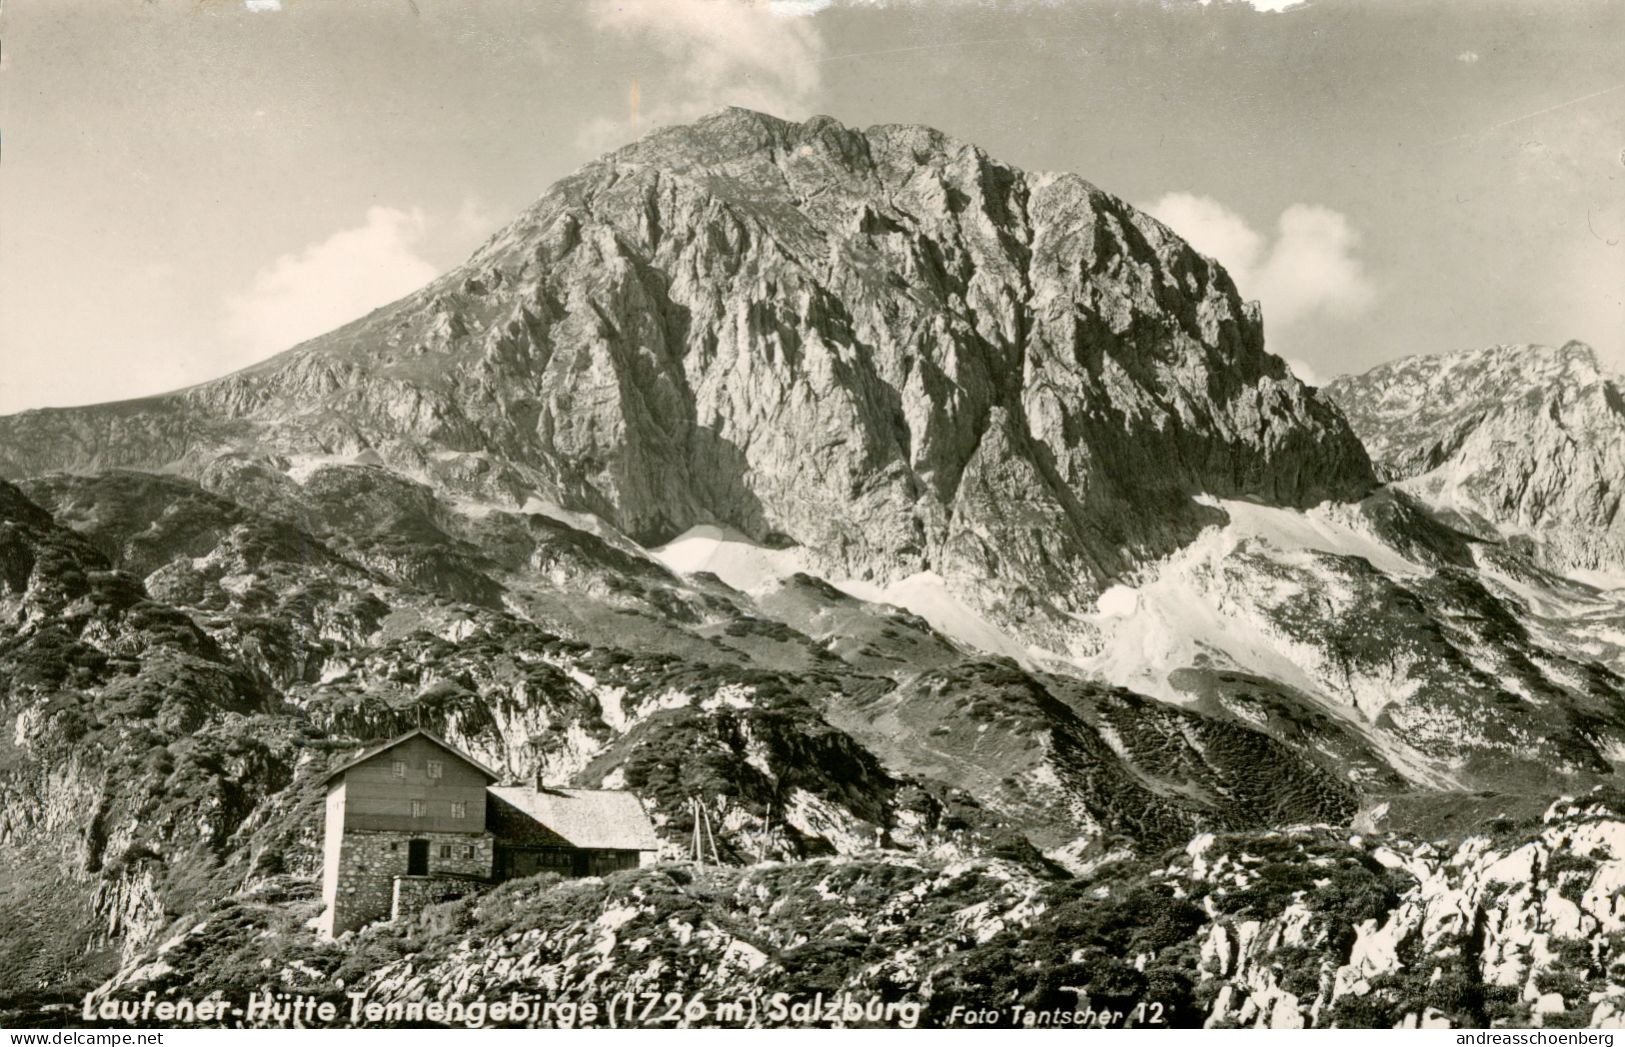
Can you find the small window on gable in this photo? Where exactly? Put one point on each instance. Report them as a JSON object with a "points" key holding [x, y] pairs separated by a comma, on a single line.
{"points": [[398, 768], [434, 768], [417, 808], [468, 852], [459, 808]]}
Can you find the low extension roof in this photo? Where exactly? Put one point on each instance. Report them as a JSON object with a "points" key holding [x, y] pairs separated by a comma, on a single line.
{"points": [[589, 819], [418, 732]]}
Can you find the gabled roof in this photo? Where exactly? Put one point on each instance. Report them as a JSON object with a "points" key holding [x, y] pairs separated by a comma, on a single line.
{"points": [[590, 819], [384, 747]]}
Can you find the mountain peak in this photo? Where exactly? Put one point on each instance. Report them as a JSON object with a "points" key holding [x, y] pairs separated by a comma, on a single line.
{"points": [[774, 159], [737, 128], [1575, 349], [733, 124], [882, 345], [1507, 370], [1573, 357]]}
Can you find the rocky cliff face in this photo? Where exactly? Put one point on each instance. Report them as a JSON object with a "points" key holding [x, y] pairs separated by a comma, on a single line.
{"points": [[883, 346], [1523, 442]]}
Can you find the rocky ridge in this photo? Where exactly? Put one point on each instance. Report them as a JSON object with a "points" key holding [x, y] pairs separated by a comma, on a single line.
{"points": [[1518, 442]]}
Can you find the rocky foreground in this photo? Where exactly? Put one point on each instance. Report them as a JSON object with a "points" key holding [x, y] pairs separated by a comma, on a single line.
{"points": [[1308, 927]]}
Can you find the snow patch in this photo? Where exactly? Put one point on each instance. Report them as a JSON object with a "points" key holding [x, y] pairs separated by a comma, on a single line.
{"points": [[1327, 528], [1118, 601], [1182, 613], [927, 595], [729, 555], [757, 569], [301, 466]]}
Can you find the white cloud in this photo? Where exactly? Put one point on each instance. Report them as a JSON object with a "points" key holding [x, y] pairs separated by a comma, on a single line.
{"points": [[1312, 268], [723, 52], [260, 6], [1468, 57], [1211, 228], [1308, 271], [1270, 6], [330, 283], [1305, 373]]}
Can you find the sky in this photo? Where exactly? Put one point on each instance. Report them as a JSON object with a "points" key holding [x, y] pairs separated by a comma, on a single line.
{"points": [[189, 186]]}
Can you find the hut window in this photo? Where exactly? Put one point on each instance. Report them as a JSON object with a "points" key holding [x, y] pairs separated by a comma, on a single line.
{"points": [[417, 808], [434, 768], [459, 808], [468, 852], [445, 850], [398, 768]]}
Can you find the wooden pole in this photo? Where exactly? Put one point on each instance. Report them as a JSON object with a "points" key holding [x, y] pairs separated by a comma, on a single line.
{"points": [[694, 813]]}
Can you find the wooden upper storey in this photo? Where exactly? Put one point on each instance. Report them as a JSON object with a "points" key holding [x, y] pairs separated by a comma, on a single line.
{"points": [[415, 783]]}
